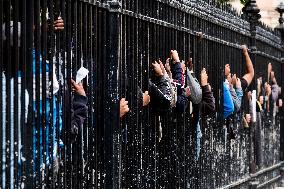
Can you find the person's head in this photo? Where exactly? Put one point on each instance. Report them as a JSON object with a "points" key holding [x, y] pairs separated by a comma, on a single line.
{"points": [[227, 70], [280, 103], [248, 118]]}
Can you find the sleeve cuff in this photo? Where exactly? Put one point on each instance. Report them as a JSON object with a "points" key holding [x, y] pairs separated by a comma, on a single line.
{"points": [[80, 98]]}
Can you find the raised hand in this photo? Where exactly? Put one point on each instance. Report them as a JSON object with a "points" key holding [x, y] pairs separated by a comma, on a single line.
{"points": [[58, 24], [123, 107], [78, 88], [174, 56], [204, 78]]}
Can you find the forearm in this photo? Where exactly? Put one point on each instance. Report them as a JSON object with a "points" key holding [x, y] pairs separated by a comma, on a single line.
{"points": [[249, 65], [177, 72]]}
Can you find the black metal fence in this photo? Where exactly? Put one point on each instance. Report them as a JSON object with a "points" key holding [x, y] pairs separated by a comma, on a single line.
{"points": [[116, 42]]}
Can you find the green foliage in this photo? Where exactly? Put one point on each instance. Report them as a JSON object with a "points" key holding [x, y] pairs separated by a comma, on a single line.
{"points": [[244, 1]]}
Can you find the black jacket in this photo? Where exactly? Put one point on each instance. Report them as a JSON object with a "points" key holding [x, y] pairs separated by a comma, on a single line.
{"points": [[79, 113], [208, 101], [160, 93]]}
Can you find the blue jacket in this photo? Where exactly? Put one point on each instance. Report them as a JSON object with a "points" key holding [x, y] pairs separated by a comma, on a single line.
{"points": [[228, 104]]}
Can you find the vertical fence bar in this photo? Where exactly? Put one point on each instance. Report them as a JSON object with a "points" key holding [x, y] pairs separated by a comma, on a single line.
{"points": [[9, 124], [1, 94], [57, 96], [50, 100], [44, 27], [90, 132], [22, 172], [29, 127], [15, 135], [37, 73], [66, 109], [111, 112]]}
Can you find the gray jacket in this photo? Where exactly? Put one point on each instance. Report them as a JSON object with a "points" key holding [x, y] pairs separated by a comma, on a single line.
{"points": [[195, 89], [237, 97]]}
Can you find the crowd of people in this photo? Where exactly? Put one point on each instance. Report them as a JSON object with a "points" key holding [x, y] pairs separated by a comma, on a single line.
{"points": [[173, 85]]}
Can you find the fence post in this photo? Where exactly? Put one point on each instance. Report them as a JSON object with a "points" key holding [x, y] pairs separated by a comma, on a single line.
{"points": [[280, 28], [253, 185], [282, 176], [111, 97], [251, 12]]}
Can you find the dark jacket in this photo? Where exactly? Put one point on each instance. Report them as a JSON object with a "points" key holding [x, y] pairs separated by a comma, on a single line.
{"points": [[182, 101], [160, 93], [208, 101], [79, 113]]}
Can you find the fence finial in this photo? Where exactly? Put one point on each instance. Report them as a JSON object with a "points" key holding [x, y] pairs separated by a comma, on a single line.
{"points": [[251, 11]]}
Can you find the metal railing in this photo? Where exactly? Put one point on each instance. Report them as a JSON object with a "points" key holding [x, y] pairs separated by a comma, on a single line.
{"points": [[116, 41]]}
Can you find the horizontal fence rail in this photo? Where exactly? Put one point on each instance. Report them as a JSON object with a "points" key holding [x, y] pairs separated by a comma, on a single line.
{"points": [[49, 140]]}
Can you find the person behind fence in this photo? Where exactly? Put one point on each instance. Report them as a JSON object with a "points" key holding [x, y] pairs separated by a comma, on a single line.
{"points": [[192, 85], [175, 74], [208, 100], [228, 104], [58, 25], [236, 94], [245, 82], [159, 88], [230, 100], [143, 100], [205, 108], [236, 91], [275, 90]]}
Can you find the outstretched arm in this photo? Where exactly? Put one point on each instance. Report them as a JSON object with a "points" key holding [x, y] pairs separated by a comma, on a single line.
{"points": [[249, 66], [79, 110]]}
